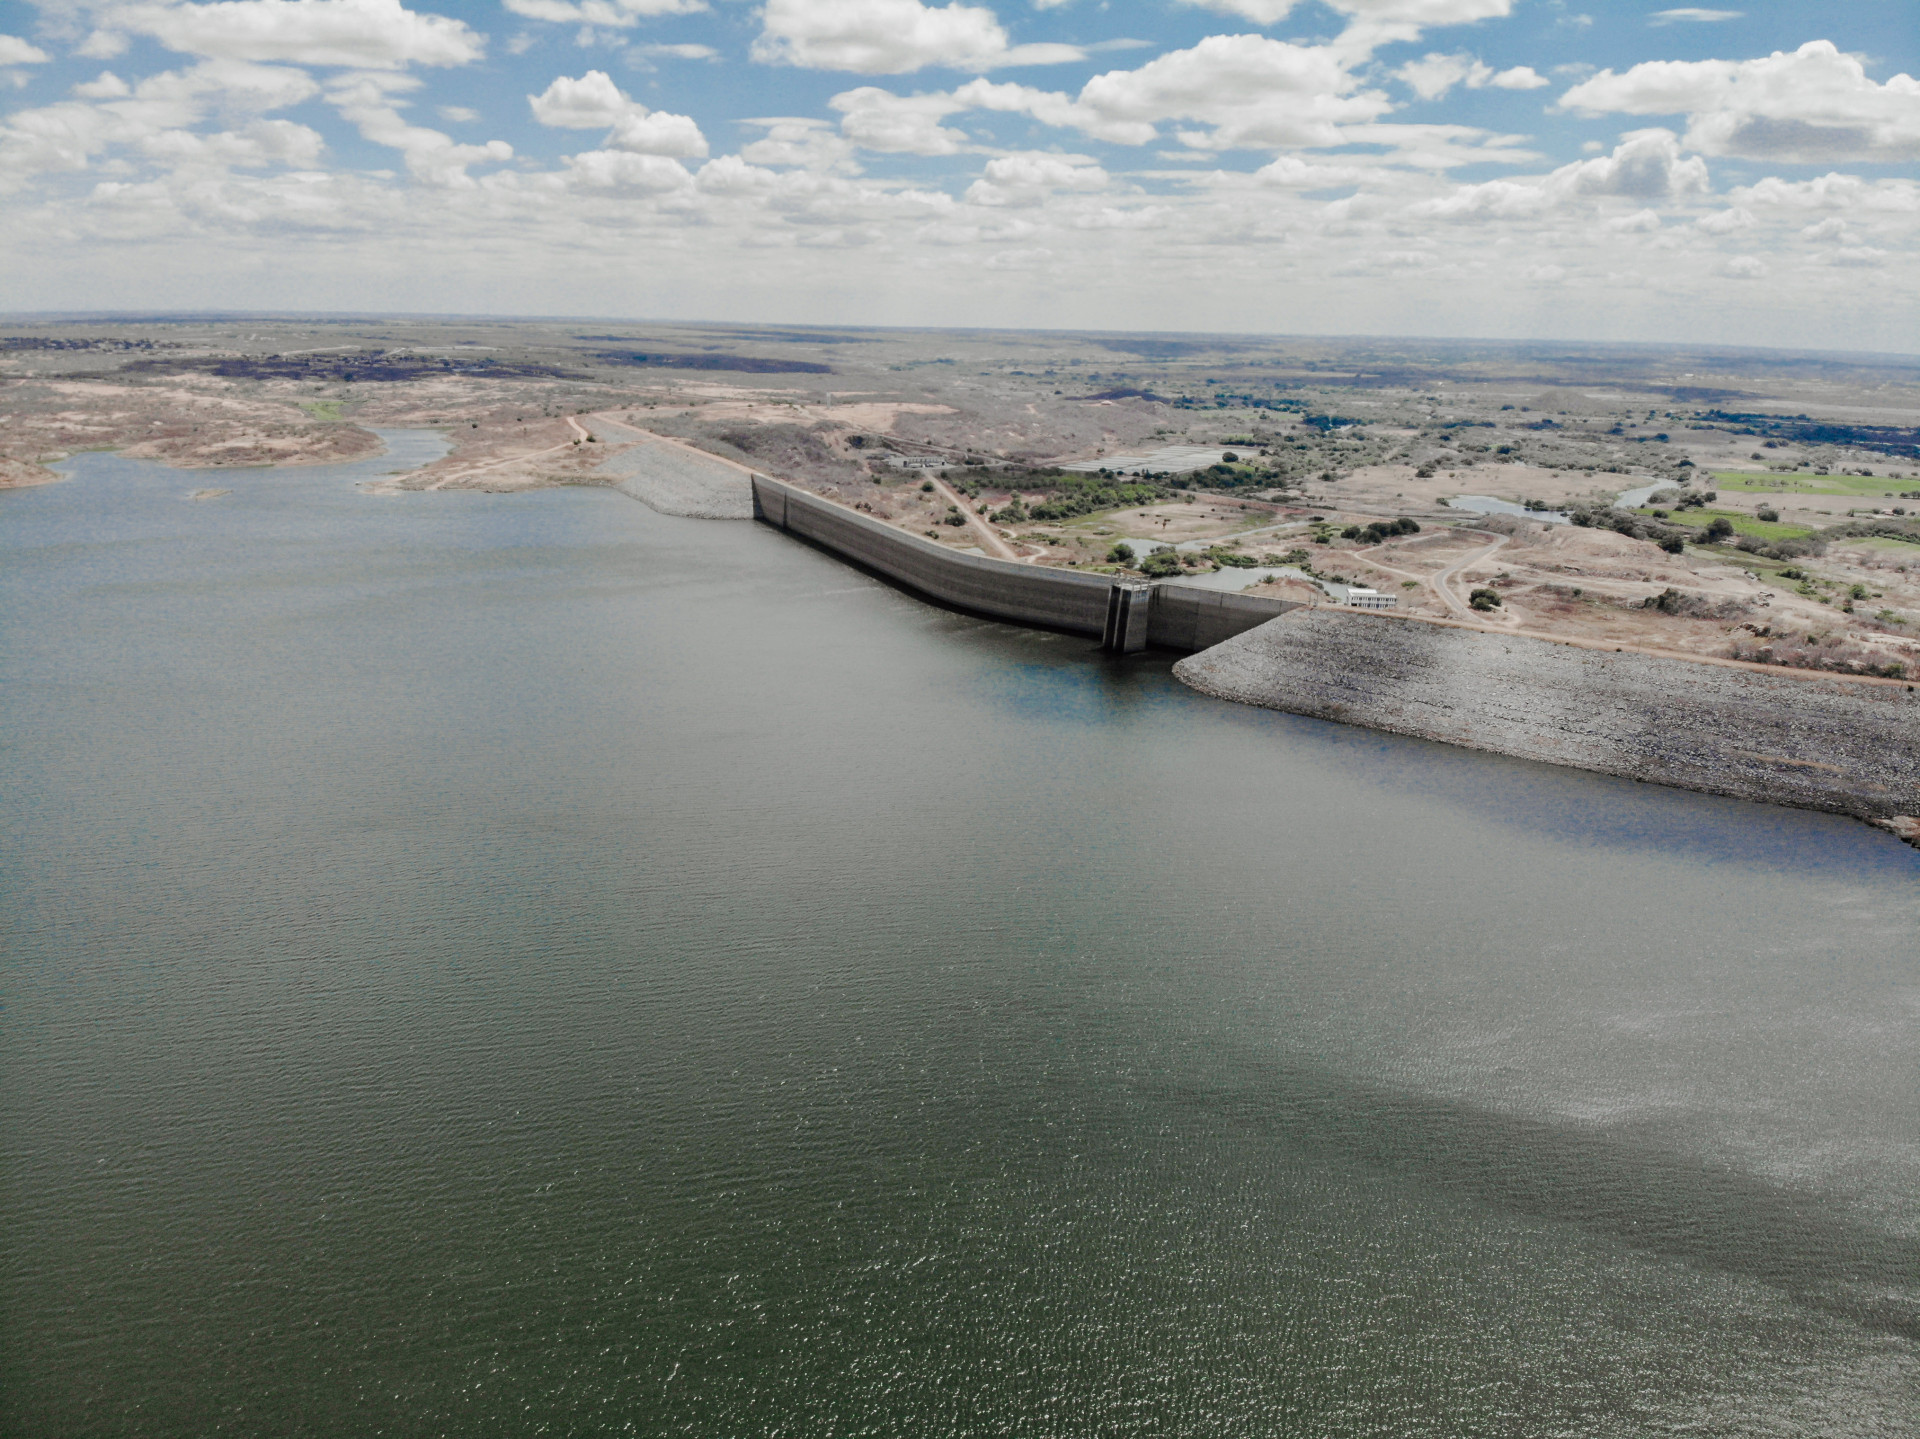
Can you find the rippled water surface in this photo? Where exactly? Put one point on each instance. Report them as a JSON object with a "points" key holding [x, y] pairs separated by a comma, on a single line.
{"points": [[526, 965]]}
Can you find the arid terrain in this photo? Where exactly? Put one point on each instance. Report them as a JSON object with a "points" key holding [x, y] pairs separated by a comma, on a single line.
{"points": [[1736, 505]]}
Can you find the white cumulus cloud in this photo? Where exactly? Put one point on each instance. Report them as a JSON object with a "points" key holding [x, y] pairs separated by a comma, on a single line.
{"points": [[1260, 12], [1250, 91], [615, 14], [594, 102], [1833, 192], [1419, 13], [1726, 222], [1862, 257], [1292, 173], [368, 103], [624, 170], [1640, 222], [1432, 76], [15, 51], [364, 34], [1029, 179], [104, 86], [1692, 14], [800, 143], [1645, 166], [892, 37], [149, 119], [1811, 105], [1371, 23], [876, 119]]}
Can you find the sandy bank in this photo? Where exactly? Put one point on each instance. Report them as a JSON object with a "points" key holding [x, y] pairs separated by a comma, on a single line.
{"points": [[20, 475]]}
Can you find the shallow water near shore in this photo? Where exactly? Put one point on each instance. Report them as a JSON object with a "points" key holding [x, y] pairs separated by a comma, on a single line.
{"points": [[524, 964]]}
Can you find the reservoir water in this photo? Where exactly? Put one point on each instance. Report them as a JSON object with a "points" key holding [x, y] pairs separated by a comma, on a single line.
{"points": [[522, 965]]}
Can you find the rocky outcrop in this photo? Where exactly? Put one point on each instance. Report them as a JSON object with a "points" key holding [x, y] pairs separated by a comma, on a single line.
{"points": [[1847, 745]]}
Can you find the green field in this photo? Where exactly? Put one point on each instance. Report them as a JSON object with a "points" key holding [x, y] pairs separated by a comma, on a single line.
{"points": [[322, 409], [1742, 524], [1853, 486]]}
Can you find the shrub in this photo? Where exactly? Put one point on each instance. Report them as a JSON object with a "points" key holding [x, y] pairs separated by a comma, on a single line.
{"points": [[1817, 652], [1673, 544], [1718, 529], [1120, 554], [1084, 495], [956, 518], [1672, 602], [926, 487], [1767, 514], [1160, 564], [1484, 599]]}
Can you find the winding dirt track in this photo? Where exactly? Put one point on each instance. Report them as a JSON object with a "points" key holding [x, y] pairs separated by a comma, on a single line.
{"points": [[1442, 582]]}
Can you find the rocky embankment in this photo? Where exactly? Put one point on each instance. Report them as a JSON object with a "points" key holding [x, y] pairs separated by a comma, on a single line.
{"points": [[675, 479], [1815, 741]]}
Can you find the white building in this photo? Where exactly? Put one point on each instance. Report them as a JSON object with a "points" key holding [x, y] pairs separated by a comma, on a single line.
{"points": [[1361, 599]]}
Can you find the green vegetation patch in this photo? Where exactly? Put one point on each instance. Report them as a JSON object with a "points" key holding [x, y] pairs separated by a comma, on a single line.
{"points": [[1808, 484], [1160, 565], [1070, 500], [1069, 494], [1742, 524], [322, 409]]}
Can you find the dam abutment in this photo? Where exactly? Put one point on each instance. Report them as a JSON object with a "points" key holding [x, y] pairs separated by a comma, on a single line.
{"points": [[1814, 741]]}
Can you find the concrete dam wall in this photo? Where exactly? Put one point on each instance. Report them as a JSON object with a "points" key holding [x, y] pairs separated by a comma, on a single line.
{"points": [[1817, 742], [1125, 617]]}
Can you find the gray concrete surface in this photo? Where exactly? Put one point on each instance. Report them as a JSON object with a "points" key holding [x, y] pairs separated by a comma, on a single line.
{"points": [[1817, 742]]}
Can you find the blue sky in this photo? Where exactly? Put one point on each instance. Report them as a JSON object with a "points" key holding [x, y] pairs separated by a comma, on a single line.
{"points": [[1741, 173]]}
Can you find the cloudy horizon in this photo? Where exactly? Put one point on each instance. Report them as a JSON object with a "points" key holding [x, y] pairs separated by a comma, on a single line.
{"points": [[1474, 168]]}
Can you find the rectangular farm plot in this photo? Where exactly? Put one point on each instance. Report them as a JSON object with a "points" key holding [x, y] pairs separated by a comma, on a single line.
{"points": [[1742, 524], [1861, 486]]}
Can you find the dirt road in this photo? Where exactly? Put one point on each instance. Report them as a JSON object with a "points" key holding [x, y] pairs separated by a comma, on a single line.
{"points": [[612, 421], [465, 474], [989, 537], [1442, 582]]}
